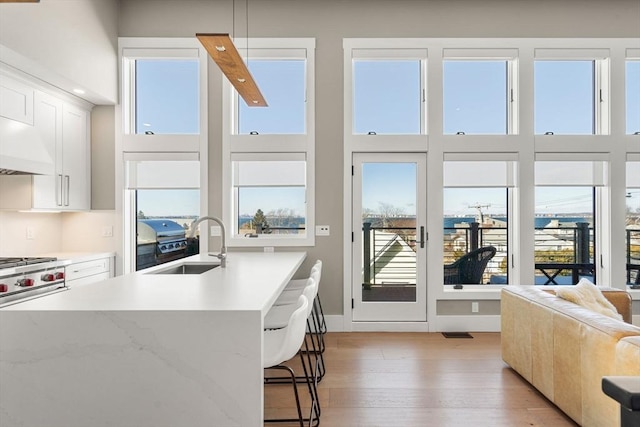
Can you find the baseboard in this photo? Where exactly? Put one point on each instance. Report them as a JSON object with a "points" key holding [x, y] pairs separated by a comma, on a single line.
{"points": [[335, 322], [467, 324], [390, 326]]}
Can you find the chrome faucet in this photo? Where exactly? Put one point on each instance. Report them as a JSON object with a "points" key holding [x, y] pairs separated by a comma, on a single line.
{"points": [[222, 256]]}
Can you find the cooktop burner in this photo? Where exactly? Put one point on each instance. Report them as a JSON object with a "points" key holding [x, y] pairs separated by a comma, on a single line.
{"points": [[16, 262]]}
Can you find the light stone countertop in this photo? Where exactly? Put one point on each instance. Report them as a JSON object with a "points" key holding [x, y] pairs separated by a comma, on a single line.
{"points": [[251, 281]]}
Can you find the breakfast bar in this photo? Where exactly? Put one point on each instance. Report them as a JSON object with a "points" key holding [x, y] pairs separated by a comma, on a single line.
{"points": [[152, 348]]}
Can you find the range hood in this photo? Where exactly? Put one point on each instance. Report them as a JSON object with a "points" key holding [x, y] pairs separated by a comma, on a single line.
{"points": [[23, 151]]}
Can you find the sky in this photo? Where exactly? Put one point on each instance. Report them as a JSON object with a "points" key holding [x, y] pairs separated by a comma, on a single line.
{"points": [[386, 100]]}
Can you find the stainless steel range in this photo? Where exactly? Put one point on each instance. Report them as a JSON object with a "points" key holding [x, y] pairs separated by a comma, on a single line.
{"points": [[26, 278]]}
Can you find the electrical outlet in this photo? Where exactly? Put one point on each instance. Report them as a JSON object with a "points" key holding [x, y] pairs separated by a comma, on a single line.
{"points": [[215, 231], [475, 307], [31, 233], [107, 231], [322, 230], [268, 249]]}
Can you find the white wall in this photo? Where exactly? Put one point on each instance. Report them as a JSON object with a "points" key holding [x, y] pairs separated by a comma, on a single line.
{"points": [[70, 43], [47, 233], [55, 232]]}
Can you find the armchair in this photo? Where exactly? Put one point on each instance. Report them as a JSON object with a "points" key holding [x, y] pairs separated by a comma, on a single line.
{"points": [[469, 268]]}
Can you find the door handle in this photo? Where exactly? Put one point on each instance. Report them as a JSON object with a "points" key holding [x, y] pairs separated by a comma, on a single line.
{"points": [[421, 241], [66, 200], [59, 191]]}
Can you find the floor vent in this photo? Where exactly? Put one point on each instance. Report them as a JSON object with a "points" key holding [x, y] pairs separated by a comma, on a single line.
{"points": [[457, 335]]}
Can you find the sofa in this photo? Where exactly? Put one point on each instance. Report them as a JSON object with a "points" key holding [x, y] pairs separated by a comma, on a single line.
{"points": [[564, 350]]}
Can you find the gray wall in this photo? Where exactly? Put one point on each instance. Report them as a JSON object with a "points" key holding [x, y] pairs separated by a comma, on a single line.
{"points": [[103, 135], [329, 21]]}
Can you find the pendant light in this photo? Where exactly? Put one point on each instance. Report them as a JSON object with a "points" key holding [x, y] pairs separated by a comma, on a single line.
{"points": [[222, 50]]}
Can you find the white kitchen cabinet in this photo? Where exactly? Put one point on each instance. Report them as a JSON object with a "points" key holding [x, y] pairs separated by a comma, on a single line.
{"points": [[16, 100], [70, 187], [87, 272]]}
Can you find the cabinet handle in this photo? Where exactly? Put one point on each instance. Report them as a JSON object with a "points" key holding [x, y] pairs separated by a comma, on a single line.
{"points": [[59, 191], [66, 200]]}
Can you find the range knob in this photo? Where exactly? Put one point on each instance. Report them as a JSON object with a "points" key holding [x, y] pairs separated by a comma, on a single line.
{"points": [[4, 288], [48, 277], [59, 275], [163, 247], [25, 282]]}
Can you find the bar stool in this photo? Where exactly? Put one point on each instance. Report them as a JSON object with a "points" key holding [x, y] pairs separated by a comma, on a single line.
{"points": [[317, 327], [277, 317], [281, 345]]}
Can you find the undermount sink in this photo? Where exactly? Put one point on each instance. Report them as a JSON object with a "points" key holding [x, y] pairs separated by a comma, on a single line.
{"points": [[186, 268]]}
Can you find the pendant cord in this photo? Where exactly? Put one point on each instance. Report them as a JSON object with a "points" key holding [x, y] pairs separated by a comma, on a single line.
{"points": [[246, 11], [233, 19]]}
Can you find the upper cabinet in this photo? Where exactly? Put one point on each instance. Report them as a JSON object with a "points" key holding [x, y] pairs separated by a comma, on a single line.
{"points": [[62, 128], [16, 100], [66, 129]]}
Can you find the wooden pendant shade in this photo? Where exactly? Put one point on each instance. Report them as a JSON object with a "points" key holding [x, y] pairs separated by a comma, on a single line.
{"points": [[224, 53]]}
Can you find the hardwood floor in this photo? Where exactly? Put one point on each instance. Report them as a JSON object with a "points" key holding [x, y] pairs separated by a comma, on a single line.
{"points": [[419, 379]]}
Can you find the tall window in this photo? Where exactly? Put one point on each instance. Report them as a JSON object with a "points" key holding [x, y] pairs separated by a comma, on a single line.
{"points": [[565, 219], [477, 208], [633, 97], [633, 222], [268, 166], [162, 139]]}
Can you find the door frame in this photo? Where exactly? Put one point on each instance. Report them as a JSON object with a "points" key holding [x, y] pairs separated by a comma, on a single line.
{"points": [[393, 312]]}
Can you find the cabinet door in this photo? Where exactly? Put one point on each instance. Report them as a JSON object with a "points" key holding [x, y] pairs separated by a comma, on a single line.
{"points": [[76, 179], [16, 100], [47, 189]]}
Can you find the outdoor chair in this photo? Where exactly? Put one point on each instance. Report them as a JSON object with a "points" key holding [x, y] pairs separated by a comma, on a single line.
{"points": [[469, 268]]}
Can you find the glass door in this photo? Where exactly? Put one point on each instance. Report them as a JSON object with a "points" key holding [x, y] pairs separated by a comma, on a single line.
{"points": [[389, 242]]}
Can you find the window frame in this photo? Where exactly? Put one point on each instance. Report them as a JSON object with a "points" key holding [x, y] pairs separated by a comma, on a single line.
{"points": [[510, 56], [601, 58], [271, 144], [153, 147], [513, 223]]}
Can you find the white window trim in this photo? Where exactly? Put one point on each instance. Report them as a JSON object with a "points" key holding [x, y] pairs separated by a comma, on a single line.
{"points": [[270, 143], [149, 146], [612, 141]]}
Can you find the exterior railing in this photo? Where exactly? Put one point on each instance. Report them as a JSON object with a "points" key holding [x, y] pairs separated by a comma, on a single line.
{"points": [[633, 257], [388, 256], [562, 254]]}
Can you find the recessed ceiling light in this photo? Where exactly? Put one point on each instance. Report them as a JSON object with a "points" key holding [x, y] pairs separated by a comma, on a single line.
{"points": [[254, 101], [146, 124], [79, 91], [221, 48], [242, 80]]}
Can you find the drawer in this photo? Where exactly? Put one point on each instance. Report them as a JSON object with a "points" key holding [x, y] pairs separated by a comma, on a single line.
{"points": [[87, 268], [87, 280]]}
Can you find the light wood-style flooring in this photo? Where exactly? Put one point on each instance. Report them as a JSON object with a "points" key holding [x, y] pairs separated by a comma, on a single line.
{"points": [[419, 379]]}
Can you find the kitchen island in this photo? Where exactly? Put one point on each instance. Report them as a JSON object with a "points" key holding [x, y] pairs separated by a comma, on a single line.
{"points": [[144, 349]]}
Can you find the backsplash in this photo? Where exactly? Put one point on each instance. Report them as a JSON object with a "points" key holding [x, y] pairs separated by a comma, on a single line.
{"points": [[34, 233]]}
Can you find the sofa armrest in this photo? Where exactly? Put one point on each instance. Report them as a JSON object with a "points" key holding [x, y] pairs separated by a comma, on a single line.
{"points": [[621, 300]]}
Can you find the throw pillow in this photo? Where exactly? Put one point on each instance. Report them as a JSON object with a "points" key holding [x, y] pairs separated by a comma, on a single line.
{"points": [[588, 296]]}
